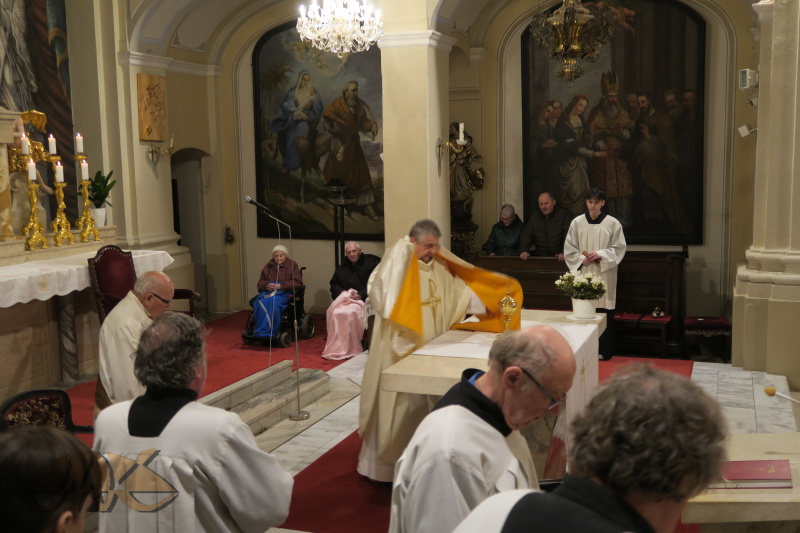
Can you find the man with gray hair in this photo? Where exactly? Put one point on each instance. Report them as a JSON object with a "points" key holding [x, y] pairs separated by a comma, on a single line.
{"points": [[419, 291], [119, 337], [192, 467], [469, 447], [647, 442], [504, 237]]}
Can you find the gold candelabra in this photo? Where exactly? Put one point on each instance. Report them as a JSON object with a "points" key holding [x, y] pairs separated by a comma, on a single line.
{"points": [[34, 229], [60, 225], [508, 306], [86, 216]]}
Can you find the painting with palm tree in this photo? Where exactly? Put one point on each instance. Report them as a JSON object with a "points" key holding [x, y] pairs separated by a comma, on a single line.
{"points": [[318, 128]]}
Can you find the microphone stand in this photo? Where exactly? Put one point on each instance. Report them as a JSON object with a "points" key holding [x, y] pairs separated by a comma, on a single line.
{"points": [[299, 414]]}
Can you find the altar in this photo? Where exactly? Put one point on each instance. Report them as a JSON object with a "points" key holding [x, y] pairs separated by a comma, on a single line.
{"points": [[437, 366]]}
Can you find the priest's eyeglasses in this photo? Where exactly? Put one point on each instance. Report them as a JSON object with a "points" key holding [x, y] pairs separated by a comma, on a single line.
{"points": [[553, 402]]}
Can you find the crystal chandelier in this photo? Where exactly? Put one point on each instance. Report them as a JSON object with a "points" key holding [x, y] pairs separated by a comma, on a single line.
{"points": [[570, 33], [341, 26]]}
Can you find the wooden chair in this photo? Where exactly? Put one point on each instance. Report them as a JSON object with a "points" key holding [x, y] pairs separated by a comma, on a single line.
{"points": [[41, 407], [112, 275]]}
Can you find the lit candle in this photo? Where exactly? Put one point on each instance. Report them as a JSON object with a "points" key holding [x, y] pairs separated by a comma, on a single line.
{"points": [[26, 145], [461, 132], [171, 141], [79, 143], [84, 170], [31, 170], [51, 144], [59, 172]]}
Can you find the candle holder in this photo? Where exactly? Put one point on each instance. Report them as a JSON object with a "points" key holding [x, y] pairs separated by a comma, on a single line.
{"points": [[33, 229], [508, 306], [443, 147], [60, 225], [54, 159], [86, 216]]}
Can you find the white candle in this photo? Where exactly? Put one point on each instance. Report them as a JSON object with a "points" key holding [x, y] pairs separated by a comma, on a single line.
{"points": [[59, 172], [171, 141], [31, 170], [84, 170], [26, 145], [461, 132], [78, 143], [51, 144]]}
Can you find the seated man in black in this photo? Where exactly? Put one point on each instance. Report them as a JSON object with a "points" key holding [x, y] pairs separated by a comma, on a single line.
{"points": [[546, 230], [345, 316], [504, 238]]}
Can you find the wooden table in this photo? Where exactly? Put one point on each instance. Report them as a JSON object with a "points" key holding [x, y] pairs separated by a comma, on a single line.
{"points": [[752, 510]]}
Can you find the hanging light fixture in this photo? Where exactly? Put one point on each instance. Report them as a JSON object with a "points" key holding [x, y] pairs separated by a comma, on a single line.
{"points": [[572, 32], [340, 26]]}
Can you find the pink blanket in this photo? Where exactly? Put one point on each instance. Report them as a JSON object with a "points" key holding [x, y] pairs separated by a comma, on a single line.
{"points": [[345, 319]]}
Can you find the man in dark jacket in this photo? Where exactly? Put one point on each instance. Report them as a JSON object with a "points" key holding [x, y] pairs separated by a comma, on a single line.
{"points": [[353, 273], [546, 230], [504, 239]]}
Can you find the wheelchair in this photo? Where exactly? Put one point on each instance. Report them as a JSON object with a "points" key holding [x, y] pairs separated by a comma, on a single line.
{"points": [[306, 328]]}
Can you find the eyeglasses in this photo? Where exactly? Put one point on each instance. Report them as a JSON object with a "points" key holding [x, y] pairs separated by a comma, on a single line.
{"points": [[553, 402], [166, 302]]}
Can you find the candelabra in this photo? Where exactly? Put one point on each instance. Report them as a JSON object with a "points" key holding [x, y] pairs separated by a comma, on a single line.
{"points": [[340, 26], [86, 216], [33, 229], [60, 225]]}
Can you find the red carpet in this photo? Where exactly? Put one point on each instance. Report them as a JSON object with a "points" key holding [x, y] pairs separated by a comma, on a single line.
{"points": [[331, 497], [229, 360]]}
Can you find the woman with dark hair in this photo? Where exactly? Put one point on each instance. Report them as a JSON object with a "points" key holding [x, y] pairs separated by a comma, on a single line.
{"points": [[279, 278], [48, 480], [573, 153]]}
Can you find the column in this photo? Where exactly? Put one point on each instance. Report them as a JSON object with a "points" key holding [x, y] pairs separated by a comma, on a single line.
{"points": [[767, 289]]}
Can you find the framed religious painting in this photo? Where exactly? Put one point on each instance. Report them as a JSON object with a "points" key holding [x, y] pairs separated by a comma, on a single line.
{"points": [[631, 125], [318, 138]]}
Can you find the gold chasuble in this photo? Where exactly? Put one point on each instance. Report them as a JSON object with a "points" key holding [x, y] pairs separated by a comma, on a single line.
{"points": [[414, 303]]}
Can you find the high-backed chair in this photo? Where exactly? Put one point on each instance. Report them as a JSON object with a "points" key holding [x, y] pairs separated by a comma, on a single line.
{"points": [[112, 275], [42, 407]]}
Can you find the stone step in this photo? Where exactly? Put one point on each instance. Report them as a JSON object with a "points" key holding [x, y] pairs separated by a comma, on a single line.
{"points": [[269, 407], [244, 389]]}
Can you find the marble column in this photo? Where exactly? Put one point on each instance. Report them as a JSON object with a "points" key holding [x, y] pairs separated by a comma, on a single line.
{"points": [[767, 290], [414, 66]]}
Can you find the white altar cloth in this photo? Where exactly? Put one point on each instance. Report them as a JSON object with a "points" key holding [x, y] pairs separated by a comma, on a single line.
{"points": [[41, 280]]}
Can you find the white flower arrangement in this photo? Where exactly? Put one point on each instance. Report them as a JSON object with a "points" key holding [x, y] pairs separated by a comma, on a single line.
{"points": [[580, 286]]}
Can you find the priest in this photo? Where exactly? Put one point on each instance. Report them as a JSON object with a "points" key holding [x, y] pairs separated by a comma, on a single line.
{"points": [[418, 291], [595, 243]]}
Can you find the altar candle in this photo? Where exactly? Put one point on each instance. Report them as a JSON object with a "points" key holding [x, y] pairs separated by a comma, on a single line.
{"points": [[84, 170], [59, 172], [79, 143], [461, 132], [51, 144], [171, 141], [31, 170], [26, 145]]}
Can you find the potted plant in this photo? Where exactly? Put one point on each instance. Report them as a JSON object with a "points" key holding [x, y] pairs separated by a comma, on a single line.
{"points": [[584, 289], [99, 189]]}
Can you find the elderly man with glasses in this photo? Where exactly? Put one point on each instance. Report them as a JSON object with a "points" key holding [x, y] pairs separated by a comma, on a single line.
{"points": [[504, 238], [469, 447], [119, 337]]}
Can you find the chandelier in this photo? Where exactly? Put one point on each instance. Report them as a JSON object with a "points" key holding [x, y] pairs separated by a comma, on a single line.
{"points": [[572, 32], [341, 26]]}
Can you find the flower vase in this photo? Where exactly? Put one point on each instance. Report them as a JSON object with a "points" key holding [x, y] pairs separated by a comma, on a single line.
{"points": [[98, 215], [584, 309]]}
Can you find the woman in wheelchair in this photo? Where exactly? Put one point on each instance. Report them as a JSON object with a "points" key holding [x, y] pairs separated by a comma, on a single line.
{"points": [[279, 277]]}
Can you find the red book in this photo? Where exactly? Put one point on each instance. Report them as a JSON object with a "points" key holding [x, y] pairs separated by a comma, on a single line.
{"points": [[766, 474]]}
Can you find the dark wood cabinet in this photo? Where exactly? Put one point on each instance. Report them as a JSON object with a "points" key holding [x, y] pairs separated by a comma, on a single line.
{"points": [[645, 280]]}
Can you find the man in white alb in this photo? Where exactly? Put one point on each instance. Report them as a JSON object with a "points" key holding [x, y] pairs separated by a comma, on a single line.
{"points": [[596, 243]]}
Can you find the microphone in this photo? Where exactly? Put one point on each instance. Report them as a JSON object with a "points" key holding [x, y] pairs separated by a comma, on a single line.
{"points": [[770, 391], [258, 205]]}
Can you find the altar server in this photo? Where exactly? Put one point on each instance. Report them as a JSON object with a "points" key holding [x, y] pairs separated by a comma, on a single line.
{"points": [[647, 442], [595, 243], [175, 464], [469, 447], [418, 291]]}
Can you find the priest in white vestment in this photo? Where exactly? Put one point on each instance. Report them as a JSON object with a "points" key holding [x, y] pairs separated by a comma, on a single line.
{"points": [[469, 447], [418, 291], [596, 243]]}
